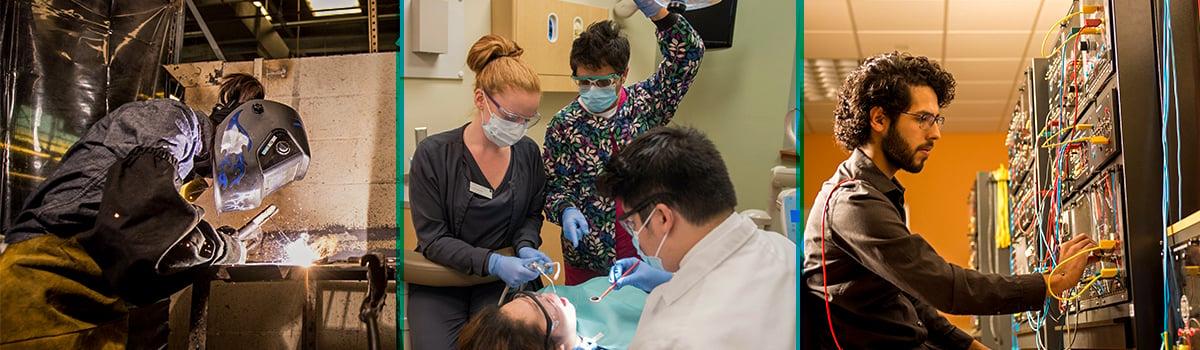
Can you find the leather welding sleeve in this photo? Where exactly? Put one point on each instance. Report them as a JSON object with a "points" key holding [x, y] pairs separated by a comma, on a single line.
{"points": [[429, 198], [941, 332], [870, 229], [530, 233], [149, 241]]}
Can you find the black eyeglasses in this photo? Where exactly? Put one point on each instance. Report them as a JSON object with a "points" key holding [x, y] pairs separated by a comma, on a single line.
{"points": [[626, 219], [514, 117], [551, 323], [926, 120]]}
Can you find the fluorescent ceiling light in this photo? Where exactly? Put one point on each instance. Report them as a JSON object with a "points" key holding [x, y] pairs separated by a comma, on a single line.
{"points": [[319, 7], [263, 11], [824, 76]]}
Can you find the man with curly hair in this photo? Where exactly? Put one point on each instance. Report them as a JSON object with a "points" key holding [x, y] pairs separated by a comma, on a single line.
{"points": [[869, 283]]}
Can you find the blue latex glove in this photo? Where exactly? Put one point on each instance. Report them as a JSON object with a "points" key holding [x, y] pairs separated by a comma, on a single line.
{"points": [[514, 271], [650, 8], [644, 276], [574, 225], [536, 255]]}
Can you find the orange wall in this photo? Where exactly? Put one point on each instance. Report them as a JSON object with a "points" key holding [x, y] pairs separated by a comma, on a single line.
{"points": [[937, 197]]}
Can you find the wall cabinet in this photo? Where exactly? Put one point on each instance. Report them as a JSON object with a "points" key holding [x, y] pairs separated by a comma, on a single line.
{"points": [[545, 29]]}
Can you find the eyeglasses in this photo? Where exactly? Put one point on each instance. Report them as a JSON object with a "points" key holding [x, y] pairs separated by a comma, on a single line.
{"points": [[926, 120], [597, 80], [551, 321], [514, 117], [626, 218]]}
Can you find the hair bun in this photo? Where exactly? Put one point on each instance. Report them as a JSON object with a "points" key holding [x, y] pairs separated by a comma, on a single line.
{"points": [[490, 48]]}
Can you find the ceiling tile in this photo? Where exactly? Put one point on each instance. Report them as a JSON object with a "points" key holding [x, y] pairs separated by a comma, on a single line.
{"points": [[1052, 11], [826, 15], [983, 69], [829, 45], [982, 90], [923, 44], [967, 110], [992, 15], [883, 14], [985, 44], [1035, 44]]}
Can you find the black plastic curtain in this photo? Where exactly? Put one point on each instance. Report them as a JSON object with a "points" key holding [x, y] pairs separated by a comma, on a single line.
{"points": [[65, 64]]}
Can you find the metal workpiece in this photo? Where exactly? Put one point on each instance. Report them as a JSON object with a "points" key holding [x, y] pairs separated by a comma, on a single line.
{"points": [[302, 307]]}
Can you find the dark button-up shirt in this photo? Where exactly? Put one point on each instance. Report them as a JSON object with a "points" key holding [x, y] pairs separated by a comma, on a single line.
{"points": [[444, 208], [885, 283]]}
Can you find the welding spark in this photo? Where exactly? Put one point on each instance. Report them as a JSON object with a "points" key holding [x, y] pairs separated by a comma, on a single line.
{"points": [[300, 253]]}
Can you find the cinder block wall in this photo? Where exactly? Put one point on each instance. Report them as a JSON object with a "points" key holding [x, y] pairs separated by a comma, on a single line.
{"points": [[348, 104]]}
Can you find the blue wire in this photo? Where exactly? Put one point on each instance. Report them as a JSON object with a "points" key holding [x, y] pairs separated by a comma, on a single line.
{"points": [[1167, 61], [1175, 94]]}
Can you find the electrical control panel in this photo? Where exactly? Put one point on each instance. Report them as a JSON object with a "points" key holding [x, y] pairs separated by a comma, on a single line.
{"points": [[1089, 97], [1096, 211]]}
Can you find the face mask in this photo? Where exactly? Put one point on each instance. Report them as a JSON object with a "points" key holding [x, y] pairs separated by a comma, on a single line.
{"points": [[598, 99], [501, 132], [654, 260]]}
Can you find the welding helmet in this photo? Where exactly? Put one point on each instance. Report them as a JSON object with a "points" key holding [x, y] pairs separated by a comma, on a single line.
{"points": [[257, 149]]}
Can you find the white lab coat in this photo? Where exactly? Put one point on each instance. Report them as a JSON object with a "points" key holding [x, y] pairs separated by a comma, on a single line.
{"points": [[736, 289]]}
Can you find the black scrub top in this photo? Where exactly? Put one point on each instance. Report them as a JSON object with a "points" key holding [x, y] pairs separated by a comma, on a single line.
{"points": [[459, 228], [487, 218]]}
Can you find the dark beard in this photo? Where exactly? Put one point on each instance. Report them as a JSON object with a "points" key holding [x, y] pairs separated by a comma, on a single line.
{"points": [[899, 154]]}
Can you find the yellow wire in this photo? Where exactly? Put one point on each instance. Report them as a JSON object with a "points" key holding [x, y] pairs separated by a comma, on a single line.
{"points": [[1052, 145], [1085, 287], [1079, 293], [1064, 44], [1056, 24], [1055, 135]]}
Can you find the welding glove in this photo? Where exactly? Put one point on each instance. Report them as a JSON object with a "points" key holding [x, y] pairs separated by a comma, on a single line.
{"points": [[514, 271], [649, 7], [230, 234], [536, 255], [574, 225], [249, 242], [148, 241], [644, 276]]}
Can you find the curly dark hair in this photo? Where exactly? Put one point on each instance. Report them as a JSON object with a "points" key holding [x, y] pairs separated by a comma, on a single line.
{"points": [[883, 81], [601, 44]]}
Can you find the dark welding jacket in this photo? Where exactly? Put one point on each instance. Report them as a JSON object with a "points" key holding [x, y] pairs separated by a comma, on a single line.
{"points": [[886, 284], [440, 195], [160, 235]]}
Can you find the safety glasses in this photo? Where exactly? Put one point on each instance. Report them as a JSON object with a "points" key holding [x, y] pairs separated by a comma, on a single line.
{"points": [[505, 114], [597, 80]]}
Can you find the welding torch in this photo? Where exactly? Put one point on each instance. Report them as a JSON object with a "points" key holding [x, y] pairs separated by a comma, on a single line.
{"points": [[251, 229]]}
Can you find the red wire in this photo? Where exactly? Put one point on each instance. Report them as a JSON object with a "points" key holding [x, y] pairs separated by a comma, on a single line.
{"points": [[825, 275]]}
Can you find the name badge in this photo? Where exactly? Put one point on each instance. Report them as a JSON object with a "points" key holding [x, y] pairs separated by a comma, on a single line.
{"points": [[481, 190]]}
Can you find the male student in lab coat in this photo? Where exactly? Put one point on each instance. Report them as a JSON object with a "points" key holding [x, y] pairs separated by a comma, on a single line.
{"points": [[703, 264]]}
